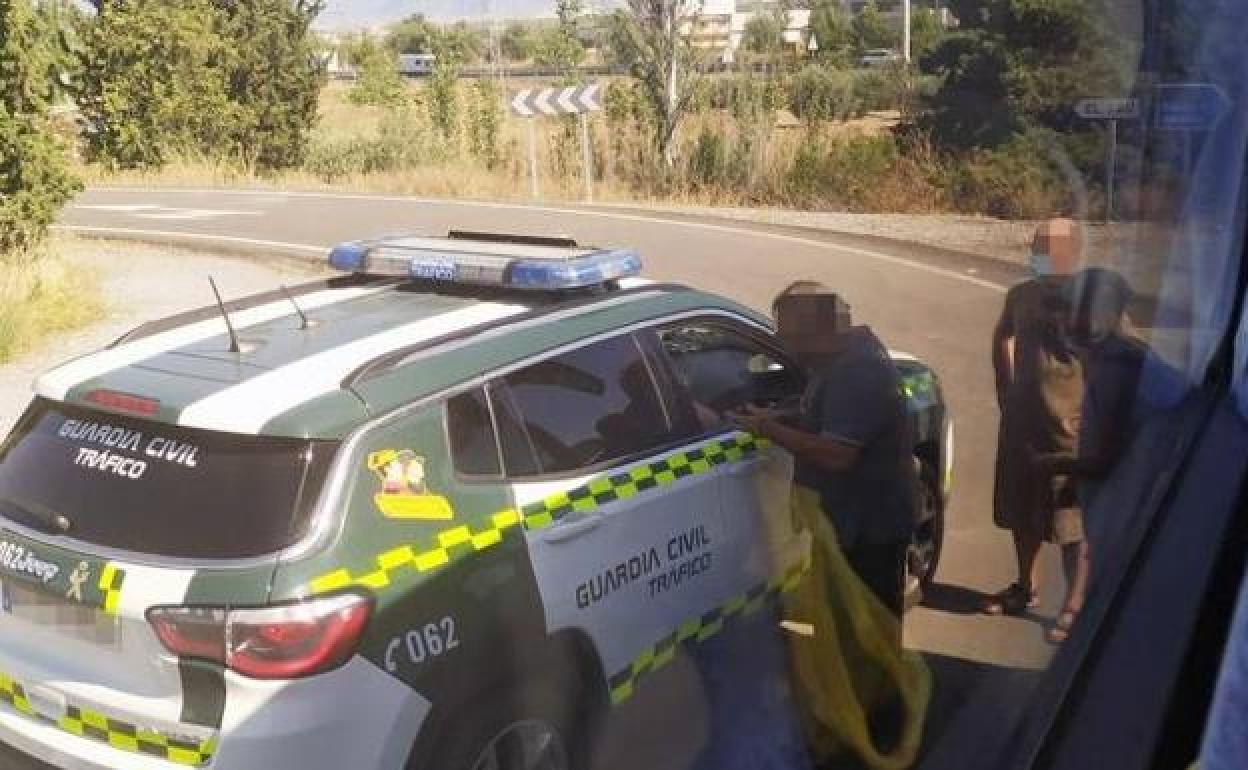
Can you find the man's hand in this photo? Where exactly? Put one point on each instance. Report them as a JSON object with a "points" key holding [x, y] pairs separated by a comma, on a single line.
{"points": [[752, 419]]}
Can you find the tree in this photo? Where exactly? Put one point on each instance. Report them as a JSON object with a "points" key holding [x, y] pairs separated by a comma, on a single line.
{"points": [[152, 82], [517, 42], [34, 182], [872, 30], [555, 49], [412, 35], [764, 33], [831, 30], [273, 78], [926, 32], [377, 80], [450, 50], [1017, 65], [646, 37]]}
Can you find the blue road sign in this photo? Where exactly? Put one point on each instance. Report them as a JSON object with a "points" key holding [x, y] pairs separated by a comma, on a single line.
{"points": [[1188, 106]]}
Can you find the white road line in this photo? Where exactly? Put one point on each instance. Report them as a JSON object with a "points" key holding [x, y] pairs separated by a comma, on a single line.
{"points": [[795, 239], [246, 407], [57, 383], [87, 230]]}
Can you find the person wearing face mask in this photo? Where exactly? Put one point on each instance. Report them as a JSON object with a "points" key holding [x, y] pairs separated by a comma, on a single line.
{"points": [[1039, 381], [1112, 357]]}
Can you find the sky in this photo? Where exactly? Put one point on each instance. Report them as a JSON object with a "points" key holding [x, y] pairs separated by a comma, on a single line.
{"points": [[354, 14]]}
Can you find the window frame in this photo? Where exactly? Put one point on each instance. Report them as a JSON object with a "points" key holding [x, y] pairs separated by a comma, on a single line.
{"points": [[444, 403], [683, 396], [497, 387]]}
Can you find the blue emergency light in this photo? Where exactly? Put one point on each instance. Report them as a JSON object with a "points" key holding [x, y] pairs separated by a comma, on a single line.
{"points": [[517, 262]]}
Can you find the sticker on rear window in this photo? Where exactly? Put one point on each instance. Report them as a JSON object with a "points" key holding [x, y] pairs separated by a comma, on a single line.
{"points": [[102, 447], [20, 559], [404, 490]]}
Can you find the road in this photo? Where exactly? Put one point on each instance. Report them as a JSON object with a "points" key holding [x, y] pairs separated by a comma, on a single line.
{"points": [[936, 305]]}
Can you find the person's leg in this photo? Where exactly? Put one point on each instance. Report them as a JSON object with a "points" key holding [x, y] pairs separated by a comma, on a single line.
{"points": [[1020, 595], [1076, 566], [1027, 551], [882, 570]]}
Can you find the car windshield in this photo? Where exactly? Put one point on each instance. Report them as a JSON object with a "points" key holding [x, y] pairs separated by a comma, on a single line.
{"points": [[155, 489]]}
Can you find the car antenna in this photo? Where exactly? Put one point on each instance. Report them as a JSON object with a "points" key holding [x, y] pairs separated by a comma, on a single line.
{"points": [[307, 323], [234, 346]]}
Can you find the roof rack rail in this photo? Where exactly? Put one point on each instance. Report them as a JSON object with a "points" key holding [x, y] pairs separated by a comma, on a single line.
{"points": [[555, 241]]}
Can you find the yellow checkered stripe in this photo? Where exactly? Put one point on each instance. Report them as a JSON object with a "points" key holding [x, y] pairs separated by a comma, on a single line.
{"points": [[698, 629], [93, 725], [455, 543], [916, 385], [111, 579]]}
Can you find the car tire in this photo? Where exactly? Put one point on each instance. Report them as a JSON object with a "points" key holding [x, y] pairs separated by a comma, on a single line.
{"points": [[923, 557], [542, 725]]}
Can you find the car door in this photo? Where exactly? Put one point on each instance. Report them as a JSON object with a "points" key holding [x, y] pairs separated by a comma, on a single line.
{"points": [[717, 367], [621, 505]]}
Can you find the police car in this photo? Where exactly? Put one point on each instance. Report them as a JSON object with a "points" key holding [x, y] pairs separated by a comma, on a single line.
{"points": [[469, 505]]}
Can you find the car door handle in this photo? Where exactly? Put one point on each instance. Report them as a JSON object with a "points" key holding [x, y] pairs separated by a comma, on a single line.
{"points": [[572, 526]]}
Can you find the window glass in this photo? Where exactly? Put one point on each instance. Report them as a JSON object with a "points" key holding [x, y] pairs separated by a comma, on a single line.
{"points": [[159, 489], [474, 448], [722, 369], [582, 408]]}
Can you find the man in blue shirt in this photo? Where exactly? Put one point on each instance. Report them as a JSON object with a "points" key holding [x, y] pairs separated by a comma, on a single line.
{"points": [[851, 438]]}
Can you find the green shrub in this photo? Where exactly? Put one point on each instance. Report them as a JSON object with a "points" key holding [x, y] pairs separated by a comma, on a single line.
{"points": [[1014, 181], [822, 93], [709, 159], [34, 182]]}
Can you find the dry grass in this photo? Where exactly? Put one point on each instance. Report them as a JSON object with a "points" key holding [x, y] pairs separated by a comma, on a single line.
{"points": [[41, 296]]}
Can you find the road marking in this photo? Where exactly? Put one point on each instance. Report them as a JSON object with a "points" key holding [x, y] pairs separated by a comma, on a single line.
{"points": [[732, 229], [159, 212], [88, 230]]}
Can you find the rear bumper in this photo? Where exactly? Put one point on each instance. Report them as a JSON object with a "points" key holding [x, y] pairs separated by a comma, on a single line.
{"points": [[357, 717]]}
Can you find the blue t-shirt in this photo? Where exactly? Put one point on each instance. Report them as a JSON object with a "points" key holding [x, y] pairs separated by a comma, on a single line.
{"points": [[854, 397]]}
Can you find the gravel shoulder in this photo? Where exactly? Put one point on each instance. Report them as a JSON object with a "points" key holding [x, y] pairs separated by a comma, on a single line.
{"points": [[138, 283]]}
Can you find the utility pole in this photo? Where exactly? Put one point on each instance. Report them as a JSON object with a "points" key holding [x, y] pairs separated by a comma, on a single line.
{"points": [[905, 30]]}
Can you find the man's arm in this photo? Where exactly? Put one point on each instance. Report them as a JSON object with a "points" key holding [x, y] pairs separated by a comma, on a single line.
{"points": [[823, 452]]}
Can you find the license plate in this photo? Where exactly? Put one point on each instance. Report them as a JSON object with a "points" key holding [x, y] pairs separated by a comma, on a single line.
{"points": [[62, 615]]}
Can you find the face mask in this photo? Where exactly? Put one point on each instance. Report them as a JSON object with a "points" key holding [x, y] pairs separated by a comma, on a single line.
{"points": [[1040, 265]]}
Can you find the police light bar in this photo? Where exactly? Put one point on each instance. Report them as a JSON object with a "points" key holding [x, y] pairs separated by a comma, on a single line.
{"points": [[516, 265]]}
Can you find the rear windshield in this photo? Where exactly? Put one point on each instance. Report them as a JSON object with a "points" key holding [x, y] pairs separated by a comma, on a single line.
{"points": [[156, 488]]}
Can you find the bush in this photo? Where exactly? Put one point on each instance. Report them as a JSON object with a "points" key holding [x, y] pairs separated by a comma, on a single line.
{"points": [[821, 93], [41, 298], [34, 182], [1014, 181], [709, 160]]}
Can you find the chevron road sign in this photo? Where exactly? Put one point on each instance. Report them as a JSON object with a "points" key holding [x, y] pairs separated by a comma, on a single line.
{"points": [[575, 100]]}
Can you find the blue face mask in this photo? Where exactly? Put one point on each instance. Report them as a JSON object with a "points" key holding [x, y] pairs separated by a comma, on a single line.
{"points": [[1040, 265]]}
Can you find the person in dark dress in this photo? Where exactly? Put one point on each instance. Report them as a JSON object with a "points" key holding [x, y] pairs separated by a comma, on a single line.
{"points": [[1040, 390], [1112, 358]]}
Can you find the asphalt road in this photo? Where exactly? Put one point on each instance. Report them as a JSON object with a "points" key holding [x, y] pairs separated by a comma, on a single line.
{"points": [[938, 305]]}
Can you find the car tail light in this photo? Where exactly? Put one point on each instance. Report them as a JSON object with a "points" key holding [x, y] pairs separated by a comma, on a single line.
{"points": [[281, 642], [123, 402]]}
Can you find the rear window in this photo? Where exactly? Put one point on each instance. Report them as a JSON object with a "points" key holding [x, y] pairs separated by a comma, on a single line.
{"points": [[159, 489]]}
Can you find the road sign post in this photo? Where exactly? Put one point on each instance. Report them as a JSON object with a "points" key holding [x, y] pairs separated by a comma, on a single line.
{"points": [[576, 100], [1110, 110]]}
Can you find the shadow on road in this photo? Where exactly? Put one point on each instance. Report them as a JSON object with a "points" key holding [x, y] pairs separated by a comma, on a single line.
{"points": [[943, 597]]}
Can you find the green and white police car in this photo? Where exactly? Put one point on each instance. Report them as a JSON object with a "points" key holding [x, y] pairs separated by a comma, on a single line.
{"points": [[454, 509]]}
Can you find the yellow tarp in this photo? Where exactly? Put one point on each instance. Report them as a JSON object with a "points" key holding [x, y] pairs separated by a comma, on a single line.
{"points": [[848, 658]]}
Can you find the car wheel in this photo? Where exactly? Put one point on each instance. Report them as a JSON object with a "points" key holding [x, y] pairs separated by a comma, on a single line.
{"points": [[923, 556], [535, 726], [526, 745]]}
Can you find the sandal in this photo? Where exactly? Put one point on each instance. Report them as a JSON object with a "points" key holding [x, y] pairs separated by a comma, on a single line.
{"points": [[1014, 600], [1060, 631]]}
